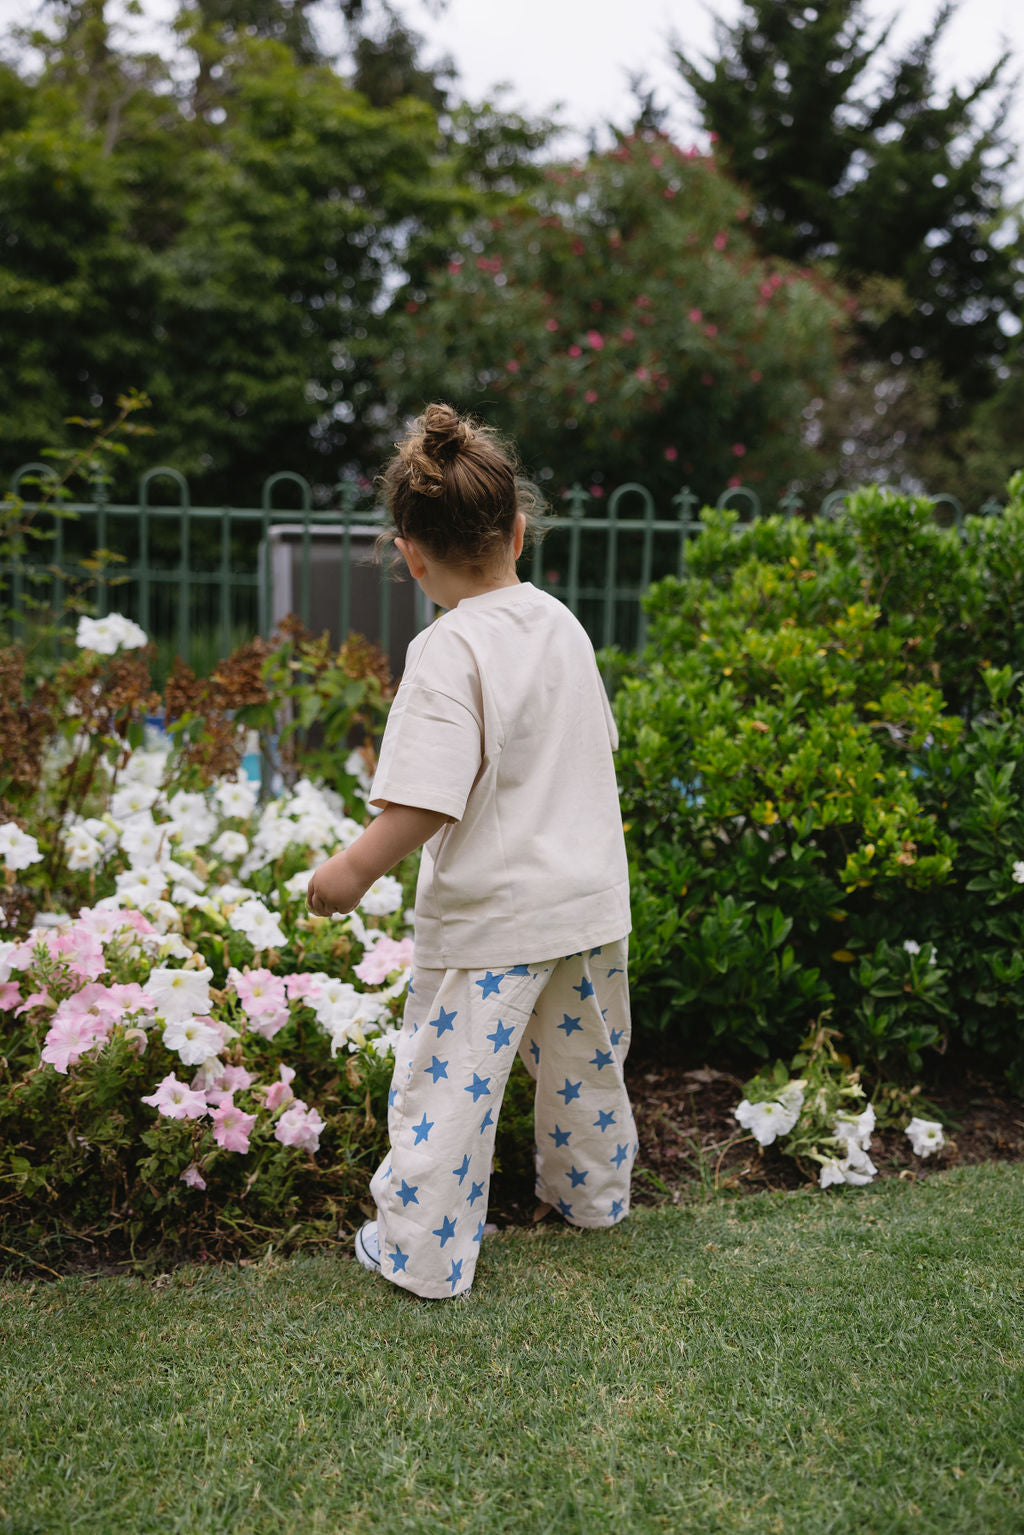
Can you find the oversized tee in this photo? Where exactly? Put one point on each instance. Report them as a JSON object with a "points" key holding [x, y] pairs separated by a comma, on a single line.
{"points": [[501, 722]]}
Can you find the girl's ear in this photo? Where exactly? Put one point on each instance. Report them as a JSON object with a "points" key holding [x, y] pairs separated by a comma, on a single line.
{"points": [[518, 534], [412, 557]]}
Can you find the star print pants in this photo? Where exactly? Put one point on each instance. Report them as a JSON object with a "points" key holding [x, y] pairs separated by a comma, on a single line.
{"points": [[568, 1019]]}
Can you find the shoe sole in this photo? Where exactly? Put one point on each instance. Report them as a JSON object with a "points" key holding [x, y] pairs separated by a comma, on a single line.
{"points": [[364, 1255]]}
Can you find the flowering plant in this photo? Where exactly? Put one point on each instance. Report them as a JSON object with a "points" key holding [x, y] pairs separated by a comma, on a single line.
{"points": [[188, 1056], [821, 1117]]}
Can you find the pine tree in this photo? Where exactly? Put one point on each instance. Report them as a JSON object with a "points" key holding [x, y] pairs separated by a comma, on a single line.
{"points": [[857, 158]]}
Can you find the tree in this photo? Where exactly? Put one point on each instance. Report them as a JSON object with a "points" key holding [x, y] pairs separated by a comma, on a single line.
{"points": [[621, 327], [876, 173]]}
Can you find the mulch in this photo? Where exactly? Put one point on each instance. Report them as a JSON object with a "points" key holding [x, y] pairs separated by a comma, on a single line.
{"points": [[691, 1146]]}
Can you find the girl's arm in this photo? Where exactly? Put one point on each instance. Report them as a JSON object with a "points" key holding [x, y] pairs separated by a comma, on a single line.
{"points": [[341, 882]]}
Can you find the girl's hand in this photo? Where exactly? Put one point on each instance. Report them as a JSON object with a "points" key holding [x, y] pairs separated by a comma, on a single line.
{"points": [[334, 887]]}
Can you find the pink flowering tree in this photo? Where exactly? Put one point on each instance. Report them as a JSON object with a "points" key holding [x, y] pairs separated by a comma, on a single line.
{"points": [[621, 327]]}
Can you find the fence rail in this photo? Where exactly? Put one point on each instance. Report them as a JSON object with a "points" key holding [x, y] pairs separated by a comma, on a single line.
{"points": [[199, 578]]}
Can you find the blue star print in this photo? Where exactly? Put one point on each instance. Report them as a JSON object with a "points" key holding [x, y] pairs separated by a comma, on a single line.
{"points": [[616, 1209], [444, 1020], [601, 1059], [479, 1233], [477, 1192], [560, 1137], [437, 1069], [621, 1153], [491, 984], [576, 1178], [593, 952], [460, 1172], [518, 970], [570, 1091], [564, 1208], [535, 1051], [422, 1130], [392, 1095], [603, 1120], [585, 988], [456, 1273], [446, 1230], [502, 1036], [488, 1119], [615, 1036], [615, 971], [408, 1195], [399, 1259], [570, 1025], [479, 1087]]}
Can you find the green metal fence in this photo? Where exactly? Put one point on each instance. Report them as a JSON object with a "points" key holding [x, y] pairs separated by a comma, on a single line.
{"points": [[199, 578]]}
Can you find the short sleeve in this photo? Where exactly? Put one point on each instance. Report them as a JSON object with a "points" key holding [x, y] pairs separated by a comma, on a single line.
{"points": [[431, 752]]}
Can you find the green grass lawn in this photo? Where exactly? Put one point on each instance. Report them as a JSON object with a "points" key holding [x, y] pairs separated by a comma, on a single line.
{"points": [[799, 1363]]}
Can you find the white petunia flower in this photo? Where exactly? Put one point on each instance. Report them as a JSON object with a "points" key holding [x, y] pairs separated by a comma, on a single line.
{"points": [[17, 849], [108, 635], [194, 1040], [925, 1136], [911, 946], [179, 994], [141, 884], [792, 1097], [132, 799], [855, 1129], [299, 883], [765, 1121], [855, 1168], [383, 897], [82, 850], [259, 925], [236, 797], [230, 844], [1018, 871], [144, 841]]}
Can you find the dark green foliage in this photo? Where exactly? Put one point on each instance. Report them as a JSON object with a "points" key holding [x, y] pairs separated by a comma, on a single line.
{"points": [[821, 757]]}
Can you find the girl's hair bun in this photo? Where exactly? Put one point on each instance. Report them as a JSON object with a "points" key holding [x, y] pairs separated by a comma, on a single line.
{"points": [[444, 433]]}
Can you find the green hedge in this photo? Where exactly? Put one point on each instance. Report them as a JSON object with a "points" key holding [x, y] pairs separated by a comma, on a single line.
{"points": [[822, 768]]}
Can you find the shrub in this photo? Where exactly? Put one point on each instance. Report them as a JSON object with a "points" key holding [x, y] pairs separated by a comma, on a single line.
{"points": [[819, 766]]}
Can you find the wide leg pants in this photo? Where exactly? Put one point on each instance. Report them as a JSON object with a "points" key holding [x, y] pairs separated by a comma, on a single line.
{"points": [[568, 1018]]}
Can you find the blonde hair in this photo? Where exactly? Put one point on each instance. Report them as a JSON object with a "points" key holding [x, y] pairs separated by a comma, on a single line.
{"points": [[455, 487]]}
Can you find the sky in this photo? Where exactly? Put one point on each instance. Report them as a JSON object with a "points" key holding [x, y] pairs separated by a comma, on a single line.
{"points": [[581, 52]]}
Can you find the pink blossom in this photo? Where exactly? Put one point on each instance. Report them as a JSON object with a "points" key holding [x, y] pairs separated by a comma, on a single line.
{"points": [[575, 351], [596, 490], [628, 335], [642, 301], [232, 1127], [67, 1040], [734, 480], [738, 450], [301, 985], [269, 1024], [300, 1126], [707, 379], [591, 396], [719, 242], [766, 290], [259, 991], [10, 993], [512, 366], [668, 194], [578, 247], [454, 268], [671, 454], [756, 375], [37, 999], [193, 1177], [386, 956], [176, 1100], [279, 1093], [641, 373], [657, 162], [595, 339], [711, 330], [695, 316], [550, 324]]}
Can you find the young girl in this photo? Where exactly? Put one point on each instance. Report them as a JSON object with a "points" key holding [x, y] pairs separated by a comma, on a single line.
{"points": [[497, 759]]}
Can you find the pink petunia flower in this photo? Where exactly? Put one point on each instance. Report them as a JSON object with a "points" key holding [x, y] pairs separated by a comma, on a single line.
{"points": [[67, 1040], [550, 324], [301, 985], [671, 454], [738, 450], [695, 316], [512, 366], [591, 396], [575, 351], [300, 1126], [628, 334], [176, 1100], [387, 956], [193, 1177], [719, 242], [232, 1127], [10, 994], [278, 1094], [595, 340]]}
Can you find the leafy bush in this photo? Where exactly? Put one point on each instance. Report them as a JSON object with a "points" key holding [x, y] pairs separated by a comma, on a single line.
{"points": [[820, 766]]}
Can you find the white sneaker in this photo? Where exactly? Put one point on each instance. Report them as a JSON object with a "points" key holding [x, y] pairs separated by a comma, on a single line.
{"points": [[367, 1245]]}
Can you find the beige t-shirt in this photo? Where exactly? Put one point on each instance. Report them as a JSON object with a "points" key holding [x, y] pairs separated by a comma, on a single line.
{"points": [[501, 722]]}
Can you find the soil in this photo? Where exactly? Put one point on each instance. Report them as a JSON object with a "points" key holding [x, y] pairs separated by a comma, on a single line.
{"points": [[691, 1146]]}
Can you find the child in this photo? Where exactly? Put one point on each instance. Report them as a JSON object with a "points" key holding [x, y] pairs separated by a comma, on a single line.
{"points": [[497, 758]]}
